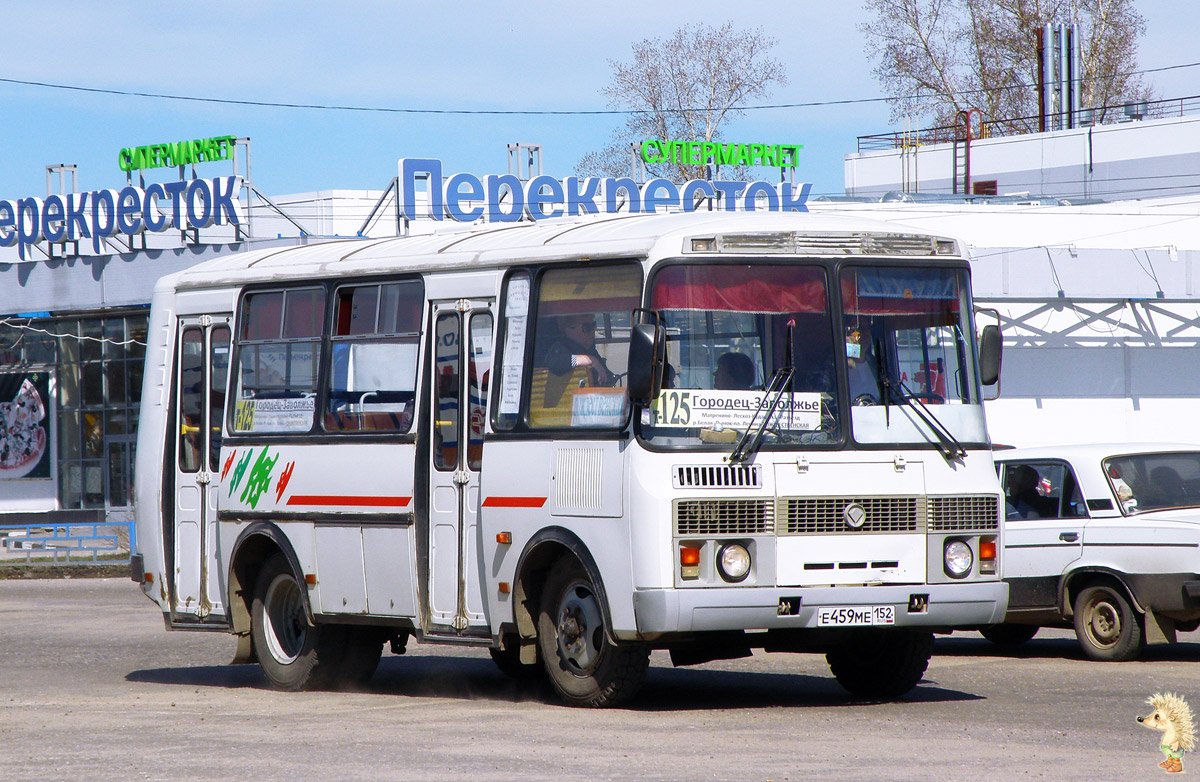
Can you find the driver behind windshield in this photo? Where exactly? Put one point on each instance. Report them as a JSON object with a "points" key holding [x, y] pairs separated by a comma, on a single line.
{"points": [[575, 346]]}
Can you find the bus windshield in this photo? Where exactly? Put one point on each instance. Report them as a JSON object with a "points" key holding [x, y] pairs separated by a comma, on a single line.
{"points": [[910, 363], [897, 344], [730, 329]]}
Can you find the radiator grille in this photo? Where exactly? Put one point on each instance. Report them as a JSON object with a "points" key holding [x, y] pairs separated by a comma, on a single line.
{"points": [[824, 515], [952, 514], [744, 476], [724, 517]]}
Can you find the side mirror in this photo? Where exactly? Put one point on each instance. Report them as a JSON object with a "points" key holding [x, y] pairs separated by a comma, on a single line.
{"points": [[647, 352], [990, 349]]}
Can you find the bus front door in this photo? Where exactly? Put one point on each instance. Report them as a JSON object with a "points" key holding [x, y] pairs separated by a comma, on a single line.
{"points": [[461, 373], [202, 368]]}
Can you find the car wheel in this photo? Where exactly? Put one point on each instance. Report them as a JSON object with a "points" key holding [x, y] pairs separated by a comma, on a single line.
{"points": [[1107, 626]]}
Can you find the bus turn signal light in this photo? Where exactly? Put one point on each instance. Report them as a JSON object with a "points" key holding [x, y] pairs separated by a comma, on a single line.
{"points": [[504, 538], [689, 562], [987, 555]]}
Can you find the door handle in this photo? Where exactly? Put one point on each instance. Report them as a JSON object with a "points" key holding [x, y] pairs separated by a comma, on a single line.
{"points": [[1069, 537]]}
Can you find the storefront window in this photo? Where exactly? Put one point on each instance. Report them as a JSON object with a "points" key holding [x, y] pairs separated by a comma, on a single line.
{"points": [[95, 370]]}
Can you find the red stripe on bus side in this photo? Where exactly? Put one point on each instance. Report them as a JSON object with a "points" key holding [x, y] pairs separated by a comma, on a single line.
{"points": [[514, 502], [357, 501]]}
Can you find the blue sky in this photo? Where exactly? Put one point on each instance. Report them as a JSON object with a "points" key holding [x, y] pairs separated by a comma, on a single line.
{"points": [[530, 55]]}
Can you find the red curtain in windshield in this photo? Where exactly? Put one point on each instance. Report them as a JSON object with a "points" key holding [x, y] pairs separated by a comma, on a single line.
{"points": [[740, 288]]}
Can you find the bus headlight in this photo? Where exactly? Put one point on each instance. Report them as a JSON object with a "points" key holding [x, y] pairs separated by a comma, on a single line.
{"points": [[958, 558], [733, 561]]}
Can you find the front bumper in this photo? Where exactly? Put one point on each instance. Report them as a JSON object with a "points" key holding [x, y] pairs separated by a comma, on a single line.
{"points": [[702, 610]]}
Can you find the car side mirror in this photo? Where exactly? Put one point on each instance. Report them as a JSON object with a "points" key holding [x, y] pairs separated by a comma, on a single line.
{"points": [[990, 350], [647, 352]]}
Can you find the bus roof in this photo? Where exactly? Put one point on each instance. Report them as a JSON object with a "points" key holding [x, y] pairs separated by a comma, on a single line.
{"points": [[590, 236]]}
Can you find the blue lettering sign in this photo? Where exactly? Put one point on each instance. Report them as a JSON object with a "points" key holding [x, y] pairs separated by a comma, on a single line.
{"points": [[197, 203], [506, 199]]}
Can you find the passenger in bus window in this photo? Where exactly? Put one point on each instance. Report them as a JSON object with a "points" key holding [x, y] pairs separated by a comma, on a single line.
{"points": [[574, 347], [734, 372]]}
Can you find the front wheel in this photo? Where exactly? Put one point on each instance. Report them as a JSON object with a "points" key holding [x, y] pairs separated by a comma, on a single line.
{"points": [[881, 664], [584, 666], [293, 654], [1106, 625]]}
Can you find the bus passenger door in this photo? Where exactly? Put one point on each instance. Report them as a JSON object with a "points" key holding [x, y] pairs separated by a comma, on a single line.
{"points": [[461, 373], [202, 370]]}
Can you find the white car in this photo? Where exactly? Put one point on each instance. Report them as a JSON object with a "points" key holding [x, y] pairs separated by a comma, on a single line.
{"points": [[1106, 537]]}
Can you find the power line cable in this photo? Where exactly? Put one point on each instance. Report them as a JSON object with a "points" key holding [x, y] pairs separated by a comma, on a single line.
{"points": [[513, 112]]}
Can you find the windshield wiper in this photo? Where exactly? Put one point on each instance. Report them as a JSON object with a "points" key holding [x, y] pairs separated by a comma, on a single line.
{"points": [[949, 447], [748, 443]]}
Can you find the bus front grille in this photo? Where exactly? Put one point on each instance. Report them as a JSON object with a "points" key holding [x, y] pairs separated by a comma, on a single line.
{"points": [[724, 517], [827, 515], [954, 514]]}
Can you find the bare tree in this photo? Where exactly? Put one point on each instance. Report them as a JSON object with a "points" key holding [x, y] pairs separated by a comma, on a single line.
{"points": [[682, 89], [937, 58]]}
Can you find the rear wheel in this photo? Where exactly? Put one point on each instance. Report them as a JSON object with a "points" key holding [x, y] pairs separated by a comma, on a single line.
{"points": [[1106, 625], [584, 666], [293, 654], [881, 664], [364, 648], [1009, 635]]}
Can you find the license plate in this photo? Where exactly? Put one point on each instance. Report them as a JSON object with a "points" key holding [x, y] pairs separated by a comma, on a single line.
{"points": [[861, 616]]}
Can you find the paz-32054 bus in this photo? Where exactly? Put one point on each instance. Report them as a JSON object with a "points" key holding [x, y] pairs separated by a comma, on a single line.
{"points": [[571, 442]]}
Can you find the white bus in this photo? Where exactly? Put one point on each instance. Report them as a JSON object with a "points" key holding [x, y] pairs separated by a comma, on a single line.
{"points": [[572, 442]]}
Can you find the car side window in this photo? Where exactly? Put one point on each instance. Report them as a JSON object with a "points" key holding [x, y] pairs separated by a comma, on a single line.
{"points": [[1042, 490]]}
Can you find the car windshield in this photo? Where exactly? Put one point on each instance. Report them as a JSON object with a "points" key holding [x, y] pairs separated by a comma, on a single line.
{"points": [[731, 328], [1155, 481]]}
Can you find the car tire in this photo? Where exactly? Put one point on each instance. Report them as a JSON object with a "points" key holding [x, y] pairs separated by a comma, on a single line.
{"points": [[293, 654], [1107, 626]]}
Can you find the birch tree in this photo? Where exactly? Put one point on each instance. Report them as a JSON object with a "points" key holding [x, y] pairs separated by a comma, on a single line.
{"points": [[936, 58], [685, 87]]}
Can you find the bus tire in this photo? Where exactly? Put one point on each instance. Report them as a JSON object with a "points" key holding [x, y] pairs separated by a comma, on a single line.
{"points": [[1009, 634], [881, 665], [364, 648], [294, 655], [1108, 628], [583, 665]]}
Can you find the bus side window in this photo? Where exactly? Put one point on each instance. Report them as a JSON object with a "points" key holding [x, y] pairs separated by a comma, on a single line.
{"points": [[373, 368], [581, 346], [279, 346]]}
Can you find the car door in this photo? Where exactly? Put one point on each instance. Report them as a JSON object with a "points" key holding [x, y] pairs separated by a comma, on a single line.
{"points": [[1043, 530]]}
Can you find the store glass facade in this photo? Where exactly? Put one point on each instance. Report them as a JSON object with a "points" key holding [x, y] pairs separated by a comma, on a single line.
{"points": [[94, 362]]}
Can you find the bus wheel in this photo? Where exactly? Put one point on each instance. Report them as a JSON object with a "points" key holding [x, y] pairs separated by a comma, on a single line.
{"points": [[364, 647], [1009, 635], [583, 665], [293, 654], [881, 664], [1106, 625]]}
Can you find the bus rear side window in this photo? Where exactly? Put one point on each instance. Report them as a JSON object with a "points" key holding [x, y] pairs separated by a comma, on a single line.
{"points": [[279, 347], [373, 372]]}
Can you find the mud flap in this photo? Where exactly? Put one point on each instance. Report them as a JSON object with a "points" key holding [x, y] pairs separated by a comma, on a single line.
{"points": [[244, 654], [1159, 629]]}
